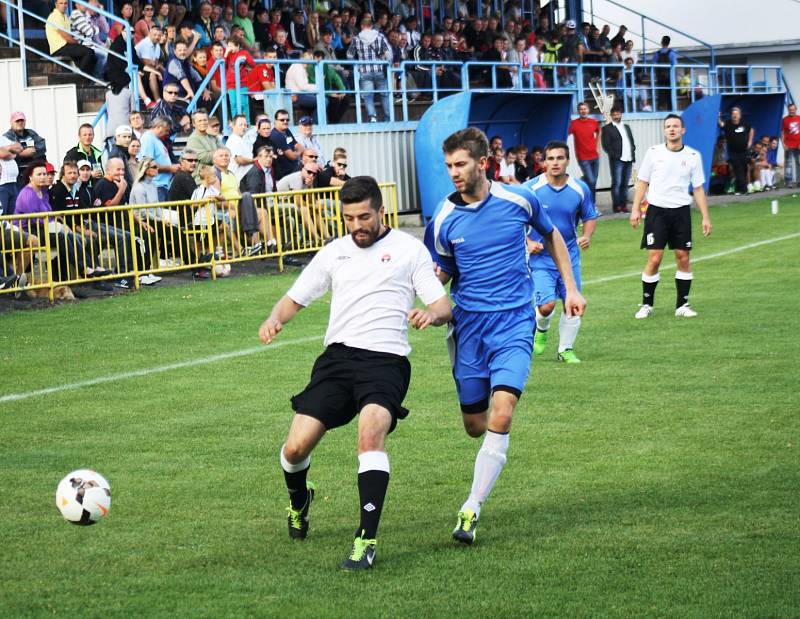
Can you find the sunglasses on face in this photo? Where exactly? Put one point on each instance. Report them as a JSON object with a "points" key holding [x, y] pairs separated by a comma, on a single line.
{"points": [[309, 172], [282, 120], [190, 160], [152, 167]]}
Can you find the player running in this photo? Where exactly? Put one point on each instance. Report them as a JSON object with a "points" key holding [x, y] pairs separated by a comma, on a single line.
{"points": [[565, 199], [374, 273], [665, 175], [477, 239]]}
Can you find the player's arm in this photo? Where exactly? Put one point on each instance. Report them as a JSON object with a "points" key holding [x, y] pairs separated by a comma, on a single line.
{"points": [[437, 313], [574, 303], [702, 205], [283, 312], [585, 239], [638, 197]]}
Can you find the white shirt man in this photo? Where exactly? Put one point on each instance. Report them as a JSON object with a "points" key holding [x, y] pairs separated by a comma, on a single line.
{"points": [[241, 149], [627, 152]]}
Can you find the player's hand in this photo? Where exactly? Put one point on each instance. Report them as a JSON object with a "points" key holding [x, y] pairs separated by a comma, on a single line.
{"points": [[574, 304], [635, 218], [706, 227], [420, 318], [269, 330], [584, 242], [533, 246]]}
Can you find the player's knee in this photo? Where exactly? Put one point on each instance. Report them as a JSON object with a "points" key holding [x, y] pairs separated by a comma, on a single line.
{"points": [[547, 308], [475, 425], [374, 424], [295, 451]]}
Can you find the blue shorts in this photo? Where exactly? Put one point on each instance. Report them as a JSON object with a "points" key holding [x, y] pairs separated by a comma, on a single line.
{"points": [[490, 350], [548, 284]]}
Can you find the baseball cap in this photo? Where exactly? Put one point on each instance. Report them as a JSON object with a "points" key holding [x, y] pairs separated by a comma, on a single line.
{"points": [[84, 162], [124, 129], [571, 24], [306, 120], [50, 168], [17, 116]]}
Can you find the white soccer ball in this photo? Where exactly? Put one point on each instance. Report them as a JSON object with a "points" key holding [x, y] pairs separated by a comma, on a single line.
{"points": [[222, 270], [83, 497]]}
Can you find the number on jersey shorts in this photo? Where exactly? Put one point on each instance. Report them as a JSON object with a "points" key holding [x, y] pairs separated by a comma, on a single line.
{"points": [[667, 226], [548, 284], [490, 349]]}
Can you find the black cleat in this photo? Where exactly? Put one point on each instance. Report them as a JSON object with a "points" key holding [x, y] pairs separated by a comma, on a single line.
{"points": [[362, 556], [298, 518]]}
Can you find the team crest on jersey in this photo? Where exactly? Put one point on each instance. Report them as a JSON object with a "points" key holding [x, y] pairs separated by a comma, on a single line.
{"points": [[385, 258]]}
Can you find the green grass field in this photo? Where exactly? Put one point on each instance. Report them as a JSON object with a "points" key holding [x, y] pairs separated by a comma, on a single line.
{"points": [[659, 478]]}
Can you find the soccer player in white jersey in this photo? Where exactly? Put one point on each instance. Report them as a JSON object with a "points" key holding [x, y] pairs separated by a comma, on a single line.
{"points": [[477, 239], [665, 175], [566, 200], [375, 273]]}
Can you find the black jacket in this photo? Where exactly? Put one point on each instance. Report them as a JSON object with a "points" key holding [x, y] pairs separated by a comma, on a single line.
{"points": [[254, 181], [612, 141]]}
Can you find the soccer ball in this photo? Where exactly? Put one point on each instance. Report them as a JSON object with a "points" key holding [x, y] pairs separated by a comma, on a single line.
{"points": [[222, 270], [83, 497]]}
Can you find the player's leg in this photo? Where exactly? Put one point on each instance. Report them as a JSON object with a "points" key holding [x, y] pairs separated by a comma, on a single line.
{"points": [[680, 240], [304, 434], [545, 296], [469, 370], [568, 326], [654, 240]]}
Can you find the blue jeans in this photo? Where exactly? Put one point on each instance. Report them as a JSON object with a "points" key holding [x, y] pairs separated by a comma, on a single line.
{"points": [[590, 169], [620, 177], [117, 239], [8, 197], [791, 165], [369, 83]]}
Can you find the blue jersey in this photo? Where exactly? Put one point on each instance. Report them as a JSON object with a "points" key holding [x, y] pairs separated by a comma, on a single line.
{"points": [[564, 205], [482, 247]]}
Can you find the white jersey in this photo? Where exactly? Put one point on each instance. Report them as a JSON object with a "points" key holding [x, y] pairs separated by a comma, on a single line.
{"points": [[669, 174], [373, 289]]}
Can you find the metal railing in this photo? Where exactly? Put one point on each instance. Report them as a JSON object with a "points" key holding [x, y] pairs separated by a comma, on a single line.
{"points": [[80, 246]]}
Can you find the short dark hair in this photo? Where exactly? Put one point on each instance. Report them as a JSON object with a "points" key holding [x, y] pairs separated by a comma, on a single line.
{"points": [[471, 139], [680, 118], [665, 41], [361, 188], [556, 145], [85, 126]]}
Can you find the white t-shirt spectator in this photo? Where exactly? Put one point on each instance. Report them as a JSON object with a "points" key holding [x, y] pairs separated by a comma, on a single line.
{"points": [[239, 146], [8, 167], [373, 289], [297, 79], [507, 169], [669, 174], [203, 214], [292, 182], [147, 50]]}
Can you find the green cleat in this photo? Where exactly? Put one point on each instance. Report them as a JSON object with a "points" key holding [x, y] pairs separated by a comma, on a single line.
{"points": [[298, 518], [362, 556], [568, 356], [539, 342], [465, 528]]}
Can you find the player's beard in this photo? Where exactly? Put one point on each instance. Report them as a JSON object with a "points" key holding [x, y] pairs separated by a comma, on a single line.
{"points": [[365, 237], [472, 184]]}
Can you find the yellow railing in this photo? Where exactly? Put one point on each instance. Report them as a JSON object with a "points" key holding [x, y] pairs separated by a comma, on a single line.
{"points": [[129, 242]]}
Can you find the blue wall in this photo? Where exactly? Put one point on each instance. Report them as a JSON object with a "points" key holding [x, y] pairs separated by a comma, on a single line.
{"points": [[519, 118]]}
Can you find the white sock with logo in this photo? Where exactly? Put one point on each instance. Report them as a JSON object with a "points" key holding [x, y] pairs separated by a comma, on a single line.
{"points": [[488, 465]]}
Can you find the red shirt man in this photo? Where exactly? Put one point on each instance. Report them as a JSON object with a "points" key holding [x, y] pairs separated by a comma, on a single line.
{"points": [[585, 130], [790, 129]]}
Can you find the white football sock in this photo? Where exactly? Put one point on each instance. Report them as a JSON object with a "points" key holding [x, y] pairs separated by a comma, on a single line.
{"points": [[543, 322], [488, 464], [567, 331], [294, 468]]}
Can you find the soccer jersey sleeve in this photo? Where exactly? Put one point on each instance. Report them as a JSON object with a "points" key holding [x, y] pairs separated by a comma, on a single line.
{"points": [[437, 250], [698, 176], [588, 208], [426, 284], [314, 281], [538, 219]]}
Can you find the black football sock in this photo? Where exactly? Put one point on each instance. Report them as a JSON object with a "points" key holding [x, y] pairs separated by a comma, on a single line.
{"points": [[649, 283], [683, 282], [373, 480], [295, 476]]}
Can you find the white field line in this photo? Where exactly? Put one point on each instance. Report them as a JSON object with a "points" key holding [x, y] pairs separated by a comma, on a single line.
{"points": [[99, 380], [719, 254]]}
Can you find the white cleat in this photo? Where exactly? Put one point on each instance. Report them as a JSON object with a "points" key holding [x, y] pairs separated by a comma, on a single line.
{"points": [[684, 311], [644, 312]]}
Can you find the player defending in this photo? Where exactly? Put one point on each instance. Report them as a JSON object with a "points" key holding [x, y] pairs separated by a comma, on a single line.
{"points": [[664, 176], [374, 274], [565, 199], [477, 239]]}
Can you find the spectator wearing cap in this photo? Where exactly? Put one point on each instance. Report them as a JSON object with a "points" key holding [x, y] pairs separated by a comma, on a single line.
{"points": [[9, 171], [287, 150], [62, 43], [298, 38], [122, 140], [308, 139], [243, 20], [50, 169], [34, 147], [86, 150]]}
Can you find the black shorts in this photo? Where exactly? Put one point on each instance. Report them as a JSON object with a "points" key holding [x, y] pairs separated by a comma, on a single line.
{"points": [[667, 226], [344, 380]]}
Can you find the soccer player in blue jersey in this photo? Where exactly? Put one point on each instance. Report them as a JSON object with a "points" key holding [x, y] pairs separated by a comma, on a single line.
{"points": [[477, 239], [565, 200]]}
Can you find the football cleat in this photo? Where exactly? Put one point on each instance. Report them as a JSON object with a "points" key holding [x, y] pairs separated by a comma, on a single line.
{"points": [[568, 356], [685, 311], [362, 556], [298, 518], [644, 312], [465, 528], [539, 342]]}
